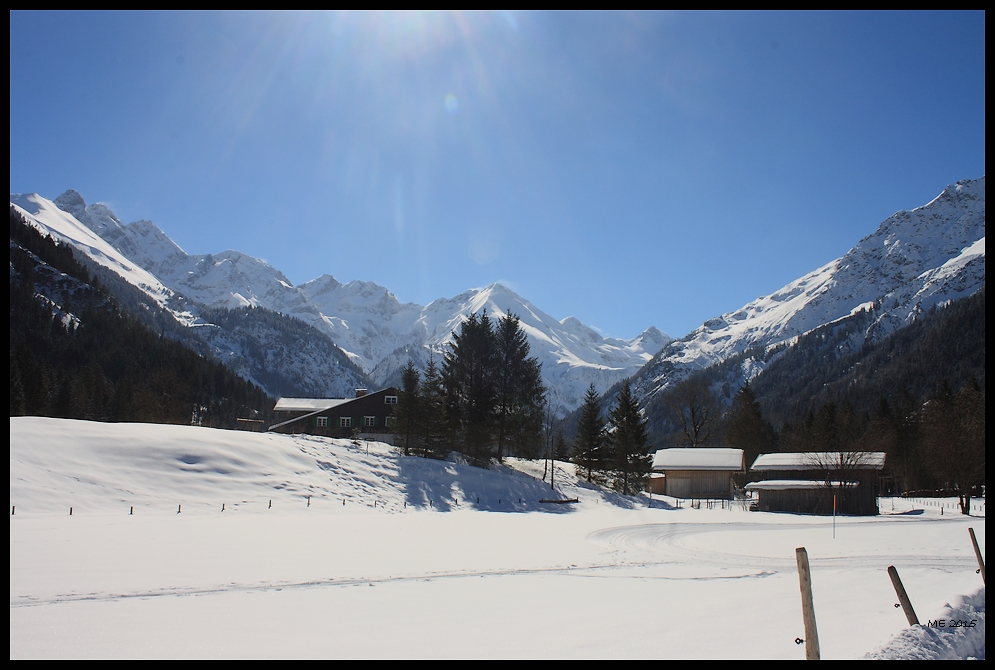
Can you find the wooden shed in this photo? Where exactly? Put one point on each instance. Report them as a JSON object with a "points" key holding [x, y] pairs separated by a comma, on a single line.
{"points": [[819, 482], [697, 472]]}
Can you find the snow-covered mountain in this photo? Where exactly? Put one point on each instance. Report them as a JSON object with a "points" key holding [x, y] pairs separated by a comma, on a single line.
{"points": [[66, 228], [915, 259], [366, 321], [573, 356], [279, 354]]}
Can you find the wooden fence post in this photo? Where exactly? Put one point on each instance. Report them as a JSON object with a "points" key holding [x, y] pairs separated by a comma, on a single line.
{"points": [[903, 597], [812, 652], [977, 554]]}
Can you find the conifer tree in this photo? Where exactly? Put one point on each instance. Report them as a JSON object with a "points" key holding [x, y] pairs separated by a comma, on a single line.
{"points": [[519, 393], [408, 410], [589, 452], [432, 394], [561, 448], [629, 443], [468, 375], [748, 430], [493, 389]]}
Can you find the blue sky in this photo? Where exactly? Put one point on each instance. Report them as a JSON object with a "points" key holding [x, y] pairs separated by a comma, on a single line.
{"points": [[628, 169]]}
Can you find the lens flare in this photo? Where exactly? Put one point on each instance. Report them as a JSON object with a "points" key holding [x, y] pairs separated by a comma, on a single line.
{"points": [[452, 104]]}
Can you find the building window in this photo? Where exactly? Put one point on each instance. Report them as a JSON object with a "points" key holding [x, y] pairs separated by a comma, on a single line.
{"points": [[369, 421], [345, 422], [388, 422], [390, 399], [321, 421]]}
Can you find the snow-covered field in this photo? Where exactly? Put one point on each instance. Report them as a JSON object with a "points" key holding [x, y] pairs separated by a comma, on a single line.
{"points": [[404, 557]]}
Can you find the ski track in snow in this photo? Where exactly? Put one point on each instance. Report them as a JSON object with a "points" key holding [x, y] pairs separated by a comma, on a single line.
{"points": [[585, 571]]}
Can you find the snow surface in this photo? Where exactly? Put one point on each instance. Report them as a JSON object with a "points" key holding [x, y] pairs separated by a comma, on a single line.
{"points": [[687, 458], [434, 559], [307, 404], [819, 460]]}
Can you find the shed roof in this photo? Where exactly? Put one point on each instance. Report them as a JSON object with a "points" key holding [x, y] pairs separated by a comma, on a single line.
{"points": [[820, 460], [686, 458], [307, 404]]}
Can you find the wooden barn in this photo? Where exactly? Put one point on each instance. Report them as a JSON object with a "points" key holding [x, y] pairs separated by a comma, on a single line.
{"points": [[368, 415], [819, 482], [696, 472]]}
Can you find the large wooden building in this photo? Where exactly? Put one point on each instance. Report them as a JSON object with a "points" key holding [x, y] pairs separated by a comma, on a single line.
{"points": [[819, 482], [368, 415], [696, 472]]}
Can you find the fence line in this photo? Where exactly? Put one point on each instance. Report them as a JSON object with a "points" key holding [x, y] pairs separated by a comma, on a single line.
{"points": [[977, 506]]}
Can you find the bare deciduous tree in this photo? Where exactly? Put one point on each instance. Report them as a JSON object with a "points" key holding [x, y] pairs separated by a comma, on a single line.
{"points": [[694, 408], [954, 427]]}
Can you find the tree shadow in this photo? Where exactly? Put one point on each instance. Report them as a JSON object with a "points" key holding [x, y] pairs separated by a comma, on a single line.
{"points": [[447, 486]]}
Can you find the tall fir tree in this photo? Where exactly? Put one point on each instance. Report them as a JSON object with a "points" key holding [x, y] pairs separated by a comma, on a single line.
{"points": [[518, 391], [408, 410], [434, 438], [468, 375], [589, 442], [629, 443], [748, 430]]}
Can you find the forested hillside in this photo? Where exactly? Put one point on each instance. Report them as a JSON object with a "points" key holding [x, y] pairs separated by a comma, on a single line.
{"points": [[917, 394], [75, 353]]}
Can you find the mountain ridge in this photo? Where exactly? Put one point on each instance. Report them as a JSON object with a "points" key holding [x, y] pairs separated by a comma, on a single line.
{"points": [[366, 321], [914, 259]]}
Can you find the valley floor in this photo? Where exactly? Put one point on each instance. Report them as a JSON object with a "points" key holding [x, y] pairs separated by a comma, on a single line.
{"points": [[394, 556]]}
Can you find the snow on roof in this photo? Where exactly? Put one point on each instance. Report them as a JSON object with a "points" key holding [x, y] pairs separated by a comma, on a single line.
{"points": [[308, 404], [819, 460], [795, 484], [719, 458]]}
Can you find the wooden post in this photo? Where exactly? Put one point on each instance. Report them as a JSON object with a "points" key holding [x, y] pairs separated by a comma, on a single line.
{"points": [[812, 652], [903, 597], [977, 554]]}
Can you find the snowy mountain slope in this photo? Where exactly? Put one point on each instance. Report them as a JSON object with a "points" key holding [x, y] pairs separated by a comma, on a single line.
{"points": [[573, 356], [375, 330], [280, 355], [365, 320], [914, 260], [51, 220], [229, 279]]}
